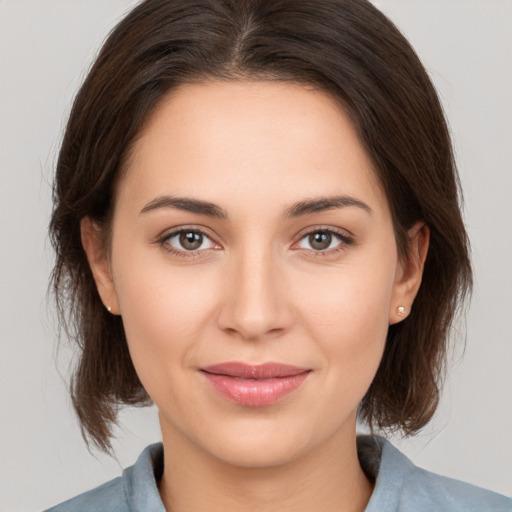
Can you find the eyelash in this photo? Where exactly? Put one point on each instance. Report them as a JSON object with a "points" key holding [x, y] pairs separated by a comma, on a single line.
{"points": [[164, 243], [345, 241]]}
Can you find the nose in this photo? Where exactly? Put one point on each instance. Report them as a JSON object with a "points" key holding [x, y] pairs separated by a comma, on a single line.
{"points": [[255, 302]]}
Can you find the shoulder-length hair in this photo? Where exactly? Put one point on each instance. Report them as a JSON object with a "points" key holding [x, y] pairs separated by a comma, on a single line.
{"points": [[346, 48]]}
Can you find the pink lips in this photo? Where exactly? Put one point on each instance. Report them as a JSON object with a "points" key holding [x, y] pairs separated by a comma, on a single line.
{"points": [[254, 385]]}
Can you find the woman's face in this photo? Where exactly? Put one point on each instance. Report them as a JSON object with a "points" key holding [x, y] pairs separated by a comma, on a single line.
{"points": [[250, 228]]}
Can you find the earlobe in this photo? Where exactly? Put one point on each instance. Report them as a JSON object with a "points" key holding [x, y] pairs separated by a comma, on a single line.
{"points": [[94, 247], [410, 273]]}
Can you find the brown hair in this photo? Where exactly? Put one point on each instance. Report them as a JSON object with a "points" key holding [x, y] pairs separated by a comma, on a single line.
{"points": [[344, 47]]}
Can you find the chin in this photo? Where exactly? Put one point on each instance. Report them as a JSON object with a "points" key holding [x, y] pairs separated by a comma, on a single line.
{"points": [[262, 443], [265, 454]]}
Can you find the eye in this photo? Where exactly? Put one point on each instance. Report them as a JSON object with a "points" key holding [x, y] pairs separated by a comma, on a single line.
{"points": [[323, 240], [187, 240]]}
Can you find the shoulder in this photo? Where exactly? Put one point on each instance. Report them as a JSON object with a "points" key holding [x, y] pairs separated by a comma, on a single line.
{"points": [[107, 497], [443, 493], [136, 490], [401, 486]]}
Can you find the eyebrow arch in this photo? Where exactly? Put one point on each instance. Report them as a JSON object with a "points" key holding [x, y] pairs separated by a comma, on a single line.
{"points": [[322, 204], [186, 204], [299, 209]]}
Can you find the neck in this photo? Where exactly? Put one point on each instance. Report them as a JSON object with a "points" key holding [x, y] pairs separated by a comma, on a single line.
{"points": [[330, 479]]}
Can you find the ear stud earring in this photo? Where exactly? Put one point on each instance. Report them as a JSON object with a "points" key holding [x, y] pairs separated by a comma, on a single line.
{"points": [[400, 310], [109, 309]]}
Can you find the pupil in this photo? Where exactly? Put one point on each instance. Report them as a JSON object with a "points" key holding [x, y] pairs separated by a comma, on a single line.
{"points": [[190, 240], [320, 241]]}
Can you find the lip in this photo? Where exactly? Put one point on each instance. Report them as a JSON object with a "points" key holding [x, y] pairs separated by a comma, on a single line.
{"points": [[254, 385]]}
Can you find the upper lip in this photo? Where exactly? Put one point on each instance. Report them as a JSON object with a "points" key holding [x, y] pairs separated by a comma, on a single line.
{"points": [[251, 371]]}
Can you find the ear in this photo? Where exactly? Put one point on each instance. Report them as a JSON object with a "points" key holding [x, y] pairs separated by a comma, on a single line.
{"points": [[409, 273], [94, 247]]}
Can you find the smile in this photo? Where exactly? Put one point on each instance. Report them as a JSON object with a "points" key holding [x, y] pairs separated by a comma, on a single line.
{"points": [[254, 385]]}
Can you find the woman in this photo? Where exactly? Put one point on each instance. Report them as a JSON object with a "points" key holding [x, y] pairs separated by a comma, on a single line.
{"points": [[257, 227]]}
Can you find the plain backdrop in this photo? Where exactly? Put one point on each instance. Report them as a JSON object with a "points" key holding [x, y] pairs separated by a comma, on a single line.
{"points": [[45, 48]]}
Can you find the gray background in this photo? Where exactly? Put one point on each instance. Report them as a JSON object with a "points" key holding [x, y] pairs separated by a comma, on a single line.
{"points": [[45, 48]]}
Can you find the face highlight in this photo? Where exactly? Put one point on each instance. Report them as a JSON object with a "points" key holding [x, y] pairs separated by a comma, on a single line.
{"points": [[250, 228]]}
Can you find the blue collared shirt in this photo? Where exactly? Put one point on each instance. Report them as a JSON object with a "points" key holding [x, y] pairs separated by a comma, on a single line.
{"points": [[400, 486]]}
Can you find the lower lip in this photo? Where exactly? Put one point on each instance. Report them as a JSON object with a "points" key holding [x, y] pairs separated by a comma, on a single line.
{"points": [[255, 392]]}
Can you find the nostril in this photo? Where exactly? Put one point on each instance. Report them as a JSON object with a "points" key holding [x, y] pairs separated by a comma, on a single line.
{"points": [[254, 305]]}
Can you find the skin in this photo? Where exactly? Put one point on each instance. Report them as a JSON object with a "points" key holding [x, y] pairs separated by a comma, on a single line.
{"points": [[256, 290]]}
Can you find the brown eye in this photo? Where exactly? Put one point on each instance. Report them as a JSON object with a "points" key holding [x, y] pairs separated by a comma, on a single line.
{"points": [[320, 240], [325, 242], [186, 241], [191, 240]]}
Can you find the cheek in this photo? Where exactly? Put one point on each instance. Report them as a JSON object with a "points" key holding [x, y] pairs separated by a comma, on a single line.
{"points": [[352, 303], [164, 309], [351, 333], [347, 312]]}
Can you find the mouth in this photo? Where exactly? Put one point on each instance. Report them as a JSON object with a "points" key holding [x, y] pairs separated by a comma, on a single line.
{"points": [[254, 385]]}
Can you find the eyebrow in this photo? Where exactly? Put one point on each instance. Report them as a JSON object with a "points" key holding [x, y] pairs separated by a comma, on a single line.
{"points": [[186, 204], [323, 204], [299, 209]]}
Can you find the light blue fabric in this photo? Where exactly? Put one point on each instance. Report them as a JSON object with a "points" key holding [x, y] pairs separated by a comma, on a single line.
{"points": [[400, 486], [403, 487]]}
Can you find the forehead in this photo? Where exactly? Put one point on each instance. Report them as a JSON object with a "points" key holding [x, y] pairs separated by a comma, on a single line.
{"points": [[254, 138]]}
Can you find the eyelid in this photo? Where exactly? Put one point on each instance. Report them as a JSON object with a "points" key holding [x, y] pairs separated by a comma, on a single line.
{"points": [[345, 238], [170, 233]]}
